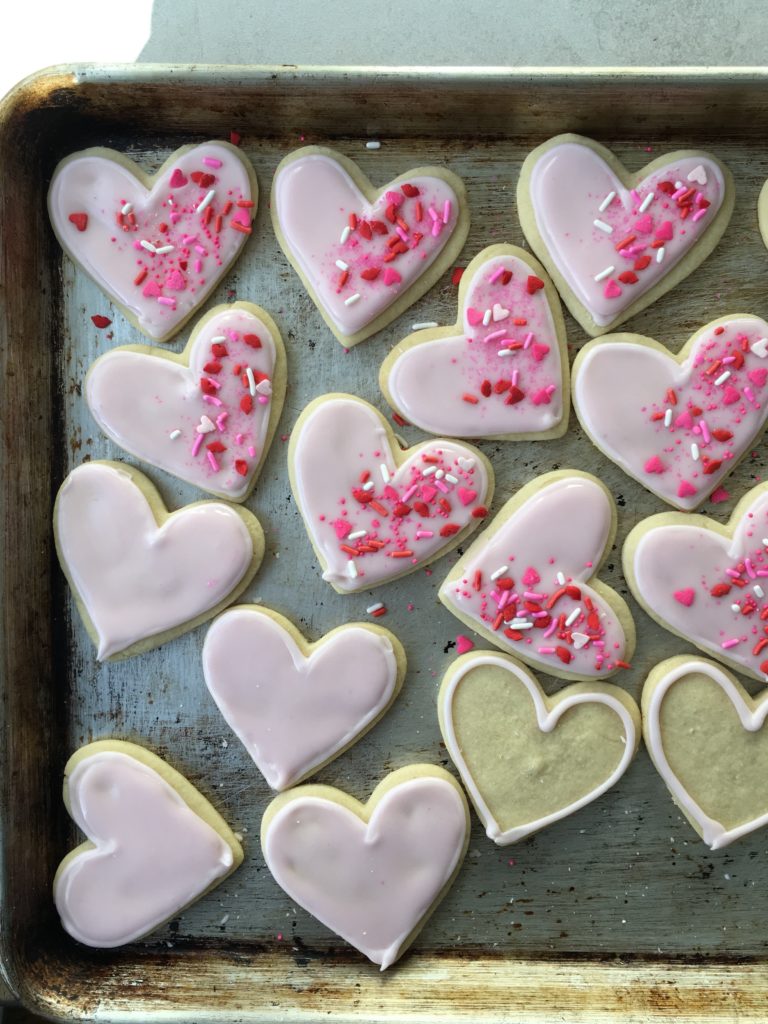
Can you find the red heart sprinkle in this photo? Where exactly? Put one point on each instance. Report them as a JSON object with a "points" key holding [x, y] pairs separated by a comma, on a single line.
{"points": [[101, 321], [80, 220], [252, 340], [178, 179], [534, 284], [641, 262]]}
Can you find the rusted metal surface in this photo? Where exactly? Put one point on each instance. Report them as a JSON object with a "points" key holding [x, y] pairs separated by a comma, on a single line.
{"points": [[618, 913]]}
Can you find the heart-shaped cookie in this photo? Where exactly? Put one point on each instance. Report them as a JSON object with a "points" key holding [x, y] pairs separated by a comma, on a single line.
{"points": [[678, 424], [296, 706], [707, 582], [208, 415], [156, 244], [374, 513], [534, 759], [501, 371], [528, 582], [365, 254], [707, 737], [615, 242], [141, 575], [371, 872], [155, 845]]}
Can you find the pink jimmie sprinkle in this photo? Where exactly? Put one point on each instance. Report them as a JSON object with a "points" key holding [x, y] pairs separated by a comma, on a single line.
{"points": [[211, 161], [196, 446], [463, 644], [212, 400], [551, 628], [705, 435], [433, 213], [198, 266], [403, 234], [221, 420], [441, 486], [238, 438], [423, 534], [733, 573], [699, 214], [212, 461], [495, 335], [750, 568], [496, 275], [727, 644], [167, 300], [437, 227], [685, 596], [410, 492], [533, 595], [528, 340], [750, 394], [546, 650], [252, 451]]}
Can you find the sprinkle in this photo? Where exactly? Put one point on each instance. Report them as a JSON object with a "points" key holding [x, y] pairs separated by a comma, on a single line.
{"points": [[424, 326], [212, 460], [660, 254], [451, 478], [760, 348], [603, 226], [424, 534], [352, 299], [207, 201], [759, 592], [344, 236], [705, 435], [561, 579], [147, 245], [694, 451], [486, 320], [736, 608], [647, 202], [163, 249], [727, 644], [373, 144], [374, 607], [177, 433], [750, 568], [342, 265], [357, 535], [410, 492], [251, 380], [520, 624], [723, 378], [368, 485], [127, 208], [446, 211], [499, 573], [385, 475], [197, 444], [351, 569], [606, 202], [685, 596], [573, 616], [429, 471], [166, 300], [496, 275], [439, 474], [604, 273], [668, 418], [750, 395]]}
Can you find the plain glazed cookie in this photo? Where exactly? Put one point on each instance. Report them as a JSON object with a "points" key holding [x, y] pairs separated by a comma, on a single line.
{"points": [[155, 845], [372, 511], [374, 872], [612, 241], [295, 705], [707, 738], [499, 372], [140, 575], [365, 254], [707, 582], [207, 415], [677, 424], [528, 760], [156, 244], [528, 582]]}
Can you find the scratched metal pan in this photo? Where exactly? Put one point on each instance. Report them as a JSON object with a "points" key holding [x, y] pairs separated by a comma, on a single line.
{"points": [[618, 913]]}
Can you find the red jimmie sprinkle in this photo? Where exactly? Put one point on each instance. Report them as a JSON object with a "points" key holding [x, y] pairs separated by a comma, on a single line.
{"points": [[101, 321]]}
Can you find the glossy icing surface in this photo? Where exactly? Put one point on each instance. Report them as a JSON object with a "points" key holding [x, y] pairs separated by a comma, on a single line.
{"points": [[502, 376], [371, 884], [152, 854], [135, 578], [568, 187], [394, 240], [221, 412], [346, 481], [677, 428], [161, 258], [293, 712], [525, 581]]}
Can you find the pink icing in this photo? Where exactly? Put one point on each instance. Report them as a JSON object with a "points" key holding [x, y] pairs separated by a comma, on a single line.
{"points": [[463, 386], [338, 449], [152, 854], [371, 884], [140, 400], [160, 289], [137, 579], [314, 198], [715, 399], [562, 528], [567, 186], [728, 613], [293, 712]]}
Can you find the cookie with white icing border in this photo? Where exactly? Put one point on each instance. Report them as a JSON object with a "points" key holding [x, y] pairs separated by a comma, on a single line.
{"points": [[207, 415], [613, 241], [501, 371], [372, 511], [296, 705], [707, 738], [679, 424], [157, 244], [155, 845], [373, 872], [365, 254], [535, 759], [706, 581], [142, 575], [529, 585]]}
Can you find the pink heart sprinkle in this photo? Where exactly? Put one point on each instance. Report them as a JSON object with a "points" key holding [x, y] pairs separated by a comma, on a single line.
{"points": [[242, 217], [730, 395], [474, 317], [391, 276], [531, 577], [342, 528], [390, 493], [463, 644], [178, 180], [685, 490], [758, 376], [539, 351], [466, 495], [644, 225], [664, 231], [718, 495], [428, 493], [611, 290], [176, 281], [685, 596], [151, 289], [654, 465], [395, 198], [541, 397], [684, 420]]}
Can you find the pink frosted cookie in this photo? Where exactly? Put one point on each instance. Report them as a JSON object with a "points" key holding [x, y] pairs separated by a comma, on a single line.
{"points": [[615, 242], [678, 424], [296, 706], [139, 574], [707, 582], [501, 371], [374, 872], [208, 415], [365, 254], [156, 244], [528, 582], [372, 511], [154, 846]]}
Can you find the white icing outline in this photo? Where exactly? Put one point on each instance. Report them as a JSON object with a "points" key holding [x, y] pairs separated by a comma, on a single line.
{"points": [[547, 720], [713, 832]]}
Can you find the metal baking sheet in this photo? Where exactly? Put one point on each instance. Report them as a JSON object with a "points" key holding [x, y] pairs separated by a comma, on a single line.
{"points": [[618, 913]]}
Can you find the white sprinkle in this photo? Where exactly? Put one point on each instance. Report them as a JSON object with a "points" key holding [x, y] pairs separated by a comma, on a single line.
{"points": [[765, 542], [499, 572], [668, 418], [723, 377], [451, 478], [219, 338], [174, 434], [505, 352], [385, 476], [561, 579], [206, 425], [264, 387], [678, 184], [373, 144], [604, 273], [357, 535], [660, 254], [128, 208], [647, 202], [369, 485], [699, 175], [207, 201], [694, 451], [163, 249], [429, 471], [439, 474], [424, 326], [579, 640], [760, 348], [352, 299], [573, 616], [520, 624], [487, 317], [759, 592], [344, 236], [342, 265], [147, 245], [251, 380], [603, 226], [606, 202], [374, 607], [735, 608], [352, 569]]}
